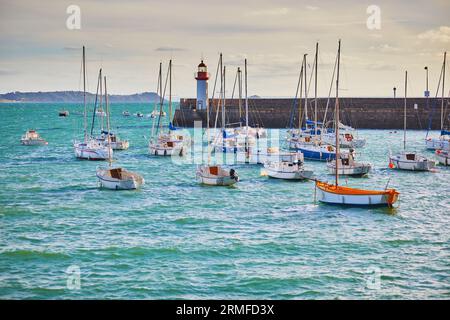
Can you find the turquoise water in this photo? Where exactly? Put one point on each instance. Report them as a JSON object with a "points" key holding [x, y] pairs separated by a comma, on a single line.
{"points": [[262, 238]]}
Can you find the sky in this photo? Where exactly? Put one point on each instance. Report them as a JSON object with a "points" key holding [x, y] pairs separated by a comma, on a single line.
{"points": [[129, 39]]}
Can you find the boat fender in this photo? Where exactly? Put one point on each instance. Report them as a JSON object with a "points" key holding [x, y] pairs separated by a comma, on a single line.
{"points": [[165, 152]]}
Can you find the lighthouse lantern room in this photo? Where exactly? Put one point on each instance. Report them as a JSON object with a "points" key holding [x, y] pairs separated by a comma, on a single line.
{"points": [[202, 86]]}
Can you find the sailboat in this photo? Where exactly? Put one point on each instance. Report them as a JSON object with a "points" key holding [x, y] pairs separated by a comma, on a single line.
{"points": [[165, 143], [443, 141], [347, 137], [215, 175], [116, 178], [115, 142], [89, 149], [311, 145], [288, 167], [349, 166], [336, 194], [409, 160]]}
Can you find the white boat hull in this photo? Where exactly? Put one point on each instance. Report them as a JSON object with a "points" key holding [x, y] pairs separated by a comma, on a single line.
{"points": [[443, 158], [349, 170], [106, 181], [301, 174], [362, 200], [436, 144], [412, 165], [86, 152], [222, 178], [158, 150]]}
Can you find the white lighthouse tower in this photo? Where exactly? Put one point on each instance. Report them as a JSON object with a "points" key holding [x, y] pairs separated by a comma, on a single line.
{"points": [[202, 86]]}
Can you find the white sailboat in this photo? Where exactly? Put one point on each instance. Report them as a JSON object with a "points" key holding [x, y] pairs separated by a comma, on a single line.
{"points": [[32, 138], [443, 141], [165, 143], [348, 166], [115, 142], [336, 194], [215, 175], [288, 167], [116, 178], [347, 137], [89, 149], [409, 160]]}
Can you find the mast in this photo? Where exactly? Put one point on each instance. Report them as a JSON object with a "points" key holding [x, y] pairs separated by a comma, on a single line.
{"points": [[404, 111], [84, 95], [300, 98], [224, 101], [239, 75], [337, 115], [306, 91], [246, 105], [100, 100], [442, 98], [170, 93], [315, 91], [108, 125]]}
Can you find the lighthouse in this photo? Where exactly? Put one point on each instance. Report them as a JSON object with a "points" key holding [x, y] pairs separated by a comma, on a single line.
{"points": [[202, 86]]}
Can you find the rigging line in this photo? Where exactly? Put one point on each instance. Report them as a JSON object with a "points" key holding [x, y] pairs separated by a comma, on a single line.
{"points": [[294, 101], [329, 92], [158, 93], [310, 80], [162, 101], [434, 102], [95, 104], [219, 103], [234, 85]]}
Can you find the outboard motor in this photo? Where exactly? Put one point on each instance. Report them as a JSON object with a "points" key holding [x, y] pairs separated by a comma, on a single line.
{"points": [[233, 175]]}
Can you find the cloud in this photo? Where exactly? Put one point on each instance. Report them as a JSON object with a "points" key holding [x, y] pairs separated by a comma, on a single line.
{"points": [[441, 34], [164, 49], [312, 8], [385, 48], [270, 12]]}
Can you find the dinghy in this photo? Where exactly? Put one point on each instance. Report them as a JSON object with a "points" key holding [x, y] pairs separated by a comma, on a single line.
{"points": [[63, 113], [32, 138], [348, 166], [126, 113], [409, 160], [288, 167], [116, 178], [336, 194], [215, 175]]}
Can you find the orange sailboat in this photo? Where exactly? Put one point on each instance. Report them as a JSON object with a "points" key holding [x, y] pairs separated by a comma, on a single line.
{"points": [[335, 194]]}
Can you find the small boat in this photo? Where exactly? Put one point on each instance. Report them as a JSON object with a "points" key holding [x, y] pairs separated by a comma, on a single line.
{"points": [[63, 113], [317, 152], [288, 168], [126, 113], [91, 150], [119, 179], [115, 142], [216, 175], [116, 178], [443, 157], [32, 138], [336, 194], [330, 193], [139, 115], [348, 166], [409, 160], [100, 113], [157, 113]]}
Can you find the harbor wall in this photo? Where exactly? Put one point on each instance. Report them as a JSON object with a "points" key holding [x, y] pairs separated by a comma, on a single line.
{"points": [[365, 113]]}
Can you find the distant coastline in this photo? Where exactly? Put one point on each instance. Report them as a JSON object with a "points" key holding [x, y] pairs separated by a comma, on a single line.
{"points": [[73, 97]]}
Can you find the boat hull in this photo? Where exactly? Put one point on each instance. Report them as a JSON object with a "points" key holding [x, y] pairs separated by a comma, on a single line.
{"points": [[311, 154], [289, 175], [443, 157], [356, 197], [108, 182], [88, 153], [349, 170], [436, 144], [412, 165]]}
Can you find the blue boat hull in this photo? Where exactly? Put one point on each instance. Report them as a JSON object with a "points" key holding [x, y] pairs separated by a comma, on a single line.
{"points": [[317, 155]]}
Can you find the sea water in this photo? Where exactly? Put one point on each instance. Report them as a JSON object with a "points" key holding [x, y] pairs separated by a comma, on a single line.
{"points": [[61, 237]]}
